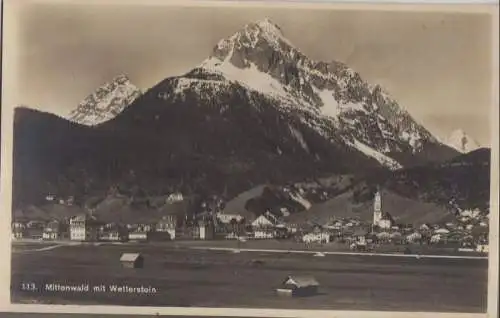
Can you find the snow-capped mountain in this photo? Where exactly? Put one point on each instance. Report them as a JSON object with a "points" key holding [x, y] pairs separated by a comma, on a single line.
{"points": [[106, 102], [330, 98], [461, 141], [256, 111]]}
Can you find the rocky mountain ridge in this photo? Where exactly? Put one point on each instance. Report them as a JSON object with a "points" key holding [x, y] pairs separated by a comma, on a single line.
{"points": [[257, 111], [106, 102]]}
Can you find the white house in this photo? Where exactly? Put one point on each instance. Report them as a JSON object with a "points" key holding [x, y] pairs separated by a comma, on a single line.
{"points": [[415, 236], [140, 227], [111, 236], [264, 233], [436, 238], [168, 224], [226, 218], [482, 248], [292, 227], [50, 234], [83, 228], [265, 226], [18, 229], [442, 231], [265, 220], [175, 197], [138, 236], [18, 225], [321, 237]]}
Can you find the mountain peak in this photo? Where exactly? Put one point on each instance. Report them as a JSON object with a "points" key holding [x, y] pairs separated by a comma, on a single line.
{"points": [[331, 97], [269, 27], [106, 102], [262, 36], [121, 79], [461, 141]]}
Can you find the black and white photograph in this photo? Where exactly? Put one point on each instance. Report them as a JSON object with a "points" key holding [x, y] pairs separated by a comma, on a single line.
{"points": [[222, 155]]}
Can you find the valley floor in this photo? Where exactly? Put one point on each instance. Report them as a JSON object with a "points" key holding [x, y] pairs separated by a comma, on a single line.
{"points": [[188, 277], [285, 245]]}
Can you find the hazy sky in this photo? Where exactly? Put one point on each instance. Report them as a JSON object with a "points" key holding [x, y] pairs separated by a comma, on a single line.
{"points": [[437, 65]]}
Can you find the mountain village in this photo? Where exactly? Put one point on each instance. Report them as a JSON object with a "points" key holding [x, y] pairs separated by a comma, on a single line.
{"points": [[234, 169], [468, 233], [327, 98]]}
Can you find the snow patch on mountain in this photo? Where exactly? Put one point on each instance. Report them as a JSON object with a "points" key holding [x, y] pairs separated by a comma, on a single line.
{"points": [[331, 107], [381, 158], [461, 141], [250, 77], [106, 102], [330, 98], [297, 197], [197, 85], [299, 137]]}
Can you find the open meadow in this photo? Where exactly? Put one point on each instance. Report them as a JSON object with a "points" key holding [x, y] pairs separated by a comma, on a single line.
{"points": [[183, 276]]}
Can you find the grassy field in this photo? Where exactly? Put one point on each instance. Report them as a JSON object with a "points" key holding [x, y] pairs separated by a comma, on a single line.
{"points": [[184, 277], [268, 244], [329, 247]]}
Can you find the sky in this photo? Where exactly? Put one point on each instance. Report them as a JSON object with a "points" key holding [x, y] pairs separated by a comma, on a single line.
{"points": [[436, 65]]}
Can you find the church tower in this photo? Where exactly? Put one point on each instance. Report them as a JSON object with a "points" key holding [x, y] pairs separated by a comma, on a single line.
{"points": [[377, 208]]}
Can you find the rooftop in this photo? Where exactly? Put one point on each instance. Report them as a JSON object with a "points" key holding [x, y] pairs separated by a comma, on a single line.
{"points": [[129, 257], [301, 281]]}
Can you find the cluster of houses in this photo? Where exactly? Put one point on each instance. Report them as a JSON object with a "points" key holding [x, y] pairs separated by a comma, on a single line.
{"points": [[361, 234], [469, 231], [86, 227]]}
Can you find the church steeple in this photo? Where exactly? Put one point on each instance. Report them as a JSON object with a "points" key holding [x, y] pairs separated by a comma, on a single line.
{"points": [[377, 207]]}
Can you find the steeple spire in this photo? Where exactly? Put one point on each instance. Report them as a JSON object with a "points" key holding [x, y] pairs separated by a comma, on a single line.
{"points": [[377, 207]]}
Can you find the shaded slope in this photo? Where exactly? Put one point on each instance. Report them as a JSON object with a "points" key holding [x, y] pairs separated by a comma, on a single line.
{"points": [[403, 210]]}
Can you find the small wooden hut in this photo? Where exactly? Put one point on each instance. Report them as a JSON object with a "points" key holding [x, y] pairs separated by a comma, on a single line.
{"points": [[298, 286], [132, 260]]}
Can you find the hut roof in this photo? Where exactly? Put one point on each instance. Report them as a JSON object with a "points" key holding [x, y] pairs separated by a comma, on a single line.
{"points": [[129, 257], [301, 281]]}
